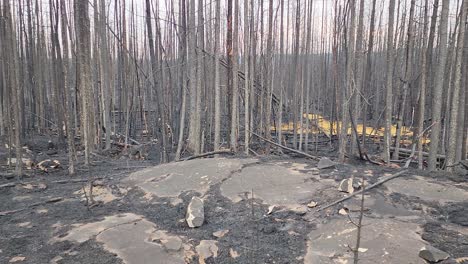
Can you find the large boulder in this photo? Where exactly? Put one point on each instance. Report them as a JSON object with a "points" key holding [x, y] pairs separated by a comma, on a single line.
{"points": [[325, 163], [195, 212], [432, 254]]}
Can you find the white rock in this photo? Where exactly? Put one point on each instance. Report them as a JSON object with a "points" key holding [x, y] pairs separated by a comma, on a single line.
{"points": [[195, 212]]}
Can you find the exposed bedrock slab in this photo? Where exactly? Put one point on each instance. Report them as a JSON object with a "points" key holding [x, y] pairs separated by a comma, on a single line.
{"points": [[133, 239], [170, 180], [274, 183], [427, 190], [382, 241]]}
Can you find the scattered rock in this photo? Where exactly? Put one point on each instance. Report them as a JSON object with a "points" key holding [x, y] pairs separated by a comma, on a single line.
{"points": [[452, 261], [24, 224], [312, 204], [343, 211], [363, 250], [220, 233], [172, 243], [17, 259], [206, 249], [234, 254], [169, 242], [433, 254], [42, 211], [195, 212], [300, 210], [349, 185], [29, 163], [270, 209], [325, 163], [56, 260], [47, 164]]}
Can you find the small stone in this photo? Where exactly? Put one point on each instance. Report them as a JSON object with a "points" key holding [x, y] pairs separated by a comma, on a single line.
{"points": [[325, 163], [220, 233], [433, 254], [234, 254], [17, 259], [343, 211], [270, 209], [172, 243], [348, 185], [300, 210], [195, 212], [206, 249], [312, 204]]}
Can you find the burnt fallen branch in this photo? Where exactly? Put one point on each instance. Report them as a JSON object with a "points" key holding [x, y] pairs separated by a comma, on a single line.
{"points": [[12, 184], [227, 151], [52, 200], [386, 179], [74, 180], [284, 147]]}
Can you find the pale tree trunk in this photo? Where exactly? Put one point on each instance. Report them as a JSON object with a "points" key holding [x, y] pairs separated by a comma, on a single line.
{"points": [[438, 88], [66, 90], [454, 122], [308, 62], [200, 79], [183, 61], [247, 77], [389, 83], [359, 78], [217, 101], [235, 88], [348, 89], [83, 46], [464, 147], [419, 137], [194, 136], [105, 74], [11, 54], [407, 80], [155, 74], [295, 80], [368, 73], [3, 93]]}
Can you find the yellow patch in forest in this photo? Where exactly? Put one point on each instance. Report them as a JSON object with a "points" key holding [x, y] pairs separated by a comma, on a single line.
{"points": [[319, 124]]}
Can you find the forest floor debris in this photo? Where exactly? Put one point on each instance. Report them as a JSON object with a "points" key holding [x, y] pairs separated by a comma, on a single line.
{"points": [[282, 223]]}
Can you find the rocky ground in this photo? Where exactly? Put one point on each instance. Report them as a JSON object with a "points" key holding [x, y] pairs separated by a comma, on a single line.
{"points": [[255, 210]]}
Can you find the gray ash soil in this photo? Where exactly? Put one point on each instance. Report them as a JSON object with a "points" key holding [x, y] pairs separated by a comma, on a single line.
{"points": [[259, 238], [450, 241]]}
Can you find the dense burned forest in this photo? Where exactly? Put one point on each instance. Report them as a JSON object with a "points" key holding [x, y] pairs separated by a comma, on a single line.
{"points": [[189, 77], [227, 131]]}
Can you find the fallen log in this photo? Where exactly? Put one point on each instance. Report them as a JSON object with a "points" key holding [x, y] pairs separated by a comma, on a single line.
{"points": [[409, 151], [284, 147], [386, 179], [74, 180], [227, 151], [52, 200]]}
